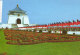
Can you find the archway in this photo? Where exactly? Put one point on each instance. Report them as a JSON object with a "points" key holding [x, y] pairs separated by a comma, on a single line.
{"points": [[18, 21]]}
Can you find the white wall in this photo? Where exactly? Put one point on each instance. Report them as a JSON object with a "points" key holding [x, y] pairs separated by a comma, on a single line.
{"points": [[0, 10], [26, 19], [5, 25], [12, 19], [76, 32]]}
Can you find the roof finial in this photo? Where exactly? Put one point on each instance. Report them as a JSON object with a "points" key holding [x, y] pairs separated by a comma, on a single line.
{"points": [[17, 6]]}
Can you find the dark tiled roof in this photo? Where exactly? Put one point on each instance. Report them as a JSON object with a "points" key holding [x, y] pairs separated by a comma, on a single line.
{"points": [[17, 9]]}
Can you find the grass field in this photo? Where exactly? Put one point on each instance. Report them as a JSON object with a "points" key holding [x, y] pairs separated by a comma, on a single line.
{"points": [[61, 48]]}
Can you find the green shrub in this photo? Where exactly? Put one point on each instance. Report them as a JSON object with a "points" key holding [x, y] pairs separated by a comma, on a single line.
{"points": [[34, 30], [40, 31], [64, 32], [26, 30], [6, 27], [49, 31], [30, 30], [73, 33], [55, 31]]}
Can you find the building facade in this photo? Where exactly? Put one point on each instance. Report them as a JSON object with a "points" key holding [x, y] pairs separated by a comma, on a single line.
{"points": [[0, 10]]}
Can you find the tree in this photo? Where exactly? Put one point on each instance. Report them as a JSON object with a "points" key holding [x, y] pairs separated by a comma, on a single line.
{"points": [[64, 32], [49, 31], [34, 30], [40, 31]]}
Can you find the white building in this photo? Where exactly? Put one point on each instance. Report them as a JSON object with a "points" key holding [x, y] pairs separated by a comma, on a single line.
{"points": [[17, 18]]}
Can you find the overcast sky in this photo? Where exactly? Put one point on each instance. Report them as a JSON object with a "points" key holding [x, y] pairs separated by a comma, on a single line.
{"points": [[45, 11]]}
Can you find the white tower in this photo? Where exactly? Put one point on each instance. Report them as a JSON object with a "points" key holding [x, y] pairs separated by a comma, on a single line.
{"points": [[17, 16], [0, 10]]}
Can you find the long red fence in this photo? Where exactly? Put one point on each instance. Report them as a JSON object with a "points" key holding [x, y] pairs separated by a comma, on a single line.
{"points": [[67, 24]]}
